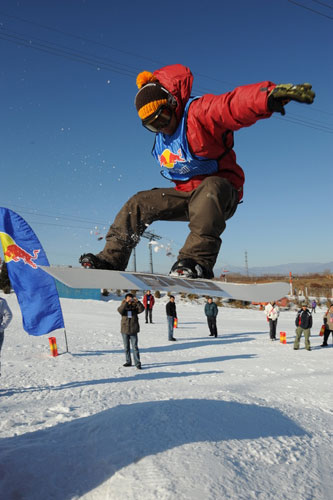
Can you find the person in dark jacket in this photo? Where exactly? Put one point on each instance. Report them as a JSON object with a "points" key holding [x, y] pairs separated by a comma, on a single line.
{"points": [[5, 318], [194, 149], [328, 322], [148, 302], [171, 313], [129, 327], [303, 324], [211, 311]]}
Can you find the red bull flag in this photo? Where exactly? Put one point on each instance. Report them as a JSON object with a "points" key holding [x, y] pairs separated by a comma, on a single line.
{"points": [[35, 290]]}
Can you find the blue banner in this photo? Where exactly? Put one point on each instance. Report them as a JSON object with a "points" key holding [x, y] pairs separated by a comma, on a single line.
{"points": [[35, 290]]}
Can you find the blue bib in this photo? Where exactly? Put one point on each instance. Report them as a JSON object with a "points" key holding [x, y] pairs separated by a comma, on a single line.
{"points": [[174, 157]]}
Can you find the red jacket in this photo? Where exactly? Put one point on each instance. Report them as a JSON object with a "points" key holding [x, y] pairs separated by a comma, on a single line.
{"points": [[211, 116], [151, 301]]}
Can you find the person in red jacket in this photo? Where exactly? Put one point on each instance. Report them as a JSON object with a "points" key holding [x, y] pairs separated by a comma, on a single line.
{"points": [[148, 302], [194, 149]]}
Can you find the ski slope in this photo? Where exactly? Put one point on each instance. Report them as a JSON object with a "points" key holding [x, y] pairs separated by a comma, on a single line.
{"points": [[238, 417]]}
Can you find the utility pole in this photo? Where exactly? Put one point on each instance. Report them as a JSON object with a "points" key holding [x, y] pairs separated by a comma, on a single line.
{"points": [[134, 259], [246, 264], [151, 237]]}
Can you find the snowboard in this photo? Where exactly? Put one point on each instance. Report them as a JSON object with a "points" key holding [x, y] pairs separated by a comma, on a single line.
{"points": [[78, 277]]}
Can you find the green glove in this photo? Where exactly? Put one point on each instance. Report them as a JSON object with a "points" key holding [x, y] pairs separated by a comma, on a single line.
{"points": [[284, 93]]}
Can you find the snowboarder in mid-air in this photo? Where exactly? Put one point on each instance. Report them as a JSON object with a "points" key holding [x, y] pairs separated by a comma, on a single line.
{"points": [[194, 148]]}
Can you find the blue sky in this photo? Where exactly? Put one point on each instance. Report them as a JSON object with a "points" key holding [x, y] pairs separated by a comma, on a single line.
{"points": [[73, 149]]}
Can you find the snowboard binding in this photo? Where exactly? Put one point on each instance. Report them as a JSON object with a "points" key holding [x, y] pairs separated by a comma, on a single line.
{"points": [[91, 261], [188, 268]]}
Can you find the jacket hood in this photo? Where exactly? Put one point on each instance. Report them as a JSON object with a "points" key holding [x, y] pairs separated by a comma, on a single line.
{"points": [[178, 80]]}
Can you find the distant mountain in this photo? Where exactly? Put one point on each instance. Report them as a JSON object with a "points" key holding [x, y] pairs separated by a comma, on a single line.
{"points": [[283, 269]]}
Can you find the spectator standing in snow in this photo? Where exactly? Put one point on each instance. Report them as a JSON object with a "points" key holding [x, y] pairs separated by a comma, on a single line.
{"points": [[193, 147], [148, 302], [5, 318], [272, 312], [211, 311], [328, 321], [129, 327], [313, 306], [303, 324], [171, 316]]}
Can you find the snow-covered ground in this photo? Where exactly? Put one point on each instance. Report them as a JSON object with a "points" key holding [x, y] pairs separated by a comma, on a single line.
{"points": [[237, 417]]}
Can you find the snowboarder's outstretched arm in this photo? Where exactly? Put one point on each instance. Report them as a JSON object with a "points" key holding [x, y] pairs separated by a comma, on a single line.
{"points": [[245, 105], [210, 116]]}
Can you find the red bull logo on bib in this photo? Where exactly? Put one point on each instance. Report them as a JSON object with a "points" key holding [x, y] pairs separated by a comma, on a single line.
{"points": [[168, 159]]}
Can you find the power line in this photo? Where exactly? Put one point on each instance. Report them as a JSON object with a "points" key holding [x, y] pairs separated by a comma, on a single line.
{"points": [[76, 56], [323, 3], [57, 225], [304, 124], [321, 111], [78, 37], [309, 8], [61, 47], [45, 46], [89, 40], [105, 63], [314, 122], [98, 225], [290, 118], [80, 56], [55, 216]]}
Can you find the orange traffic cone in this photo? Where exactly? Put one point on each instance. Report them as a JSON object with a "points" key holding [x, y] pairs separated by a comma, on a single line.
{"points": [[283, 337], [53, 346]]}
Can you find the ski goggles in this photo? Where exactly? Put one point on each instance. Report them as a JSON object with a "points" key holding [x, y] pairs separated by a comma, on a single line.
{"points": [[158, 120]]}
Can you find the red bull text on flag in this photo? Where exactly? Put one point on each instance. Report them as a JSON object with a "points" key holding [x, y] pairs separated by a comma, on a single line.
{"points": [[35, 290]]}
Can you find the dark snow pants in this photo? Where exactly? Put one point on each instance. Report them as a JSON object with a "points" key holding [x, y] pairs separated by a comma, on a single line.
{"points": [[272, 328], [211, 320], [326, 335], [206, 208], [149, 313]]}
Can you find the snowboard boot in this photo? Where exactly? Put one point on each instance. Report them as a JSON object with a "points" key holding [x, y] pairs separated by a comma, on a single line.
{"points": [[188, 268], [91, 261]]}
